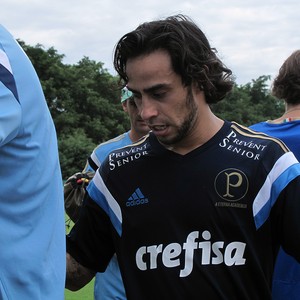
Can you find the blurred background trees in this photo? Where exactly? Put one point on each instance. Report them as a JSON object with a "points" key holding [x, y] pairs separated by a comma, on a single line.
{"points": [[84, 101], [250, 103]]}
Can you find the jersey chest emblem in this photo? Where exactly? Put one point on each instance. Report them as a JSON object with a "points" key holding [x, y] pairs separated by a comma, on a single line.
{"points": [[232, 186]]}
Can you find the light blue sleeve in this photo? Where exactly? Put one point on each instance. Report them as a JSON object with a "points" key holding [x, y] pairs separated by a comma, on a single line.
{"points": [[32, 218], [10, 115]]}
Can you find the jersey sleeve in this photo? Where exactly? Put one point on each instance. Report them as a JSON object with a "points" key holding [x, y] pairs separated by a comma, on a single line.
{"points": [[10, 109], [90, 240], [289, 218]]}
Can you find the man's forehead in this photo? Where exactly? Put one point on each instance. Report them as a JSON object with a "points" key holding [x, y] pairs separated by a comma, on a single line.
{"points": [[149, 64]]}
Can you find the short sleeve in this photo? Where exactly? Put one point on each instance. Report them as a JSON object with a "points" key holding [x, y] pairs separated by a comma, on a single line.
{"points": [[10, 115]]}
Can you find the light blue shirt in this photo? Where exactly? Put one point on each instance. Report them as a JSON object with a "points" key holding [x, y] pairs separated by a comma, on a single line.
{"points": [[109, 285], [32, 229], [286, 277]]}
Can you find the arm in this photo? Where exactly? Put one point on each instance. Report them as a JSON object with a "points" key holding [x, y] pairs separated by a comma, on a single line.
{"points": [[10, 109], [89, 246], [77, 275]]}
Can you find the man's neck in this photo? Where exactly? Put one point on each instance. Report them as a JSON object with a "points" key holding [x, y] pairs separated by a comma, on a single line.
{"points": [[135, 136]]}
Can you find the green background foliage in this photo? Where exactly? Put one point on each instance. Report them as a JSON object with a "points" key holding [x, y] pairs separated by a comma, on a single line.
{"points": [[84, 101]]}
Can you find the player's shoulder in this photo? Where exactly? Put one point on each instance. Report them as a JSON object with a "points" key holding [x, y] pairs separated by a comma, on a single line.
{"points": [[249, 135], [127, 156], [137, 147], [116, 142]]}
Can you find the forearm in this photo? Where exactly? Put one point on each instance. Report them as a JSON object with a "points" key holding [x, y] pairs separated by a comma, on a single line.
{"points": [[77, 275]]}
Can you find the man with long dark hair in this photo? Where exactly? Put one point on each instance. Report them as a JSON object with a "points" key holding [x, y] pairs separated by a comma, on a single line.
{"points": [[199, 207]]}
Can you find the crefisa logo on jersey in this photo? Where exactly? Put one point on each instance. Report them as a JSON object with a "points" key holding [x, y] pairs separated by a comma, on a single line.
{"points": [[175, 255], [231, 185]]}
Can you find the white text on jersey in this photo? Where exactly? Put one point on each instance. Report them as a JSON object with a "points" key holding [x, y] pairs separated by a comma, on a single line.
{"points": [[149, 257]]}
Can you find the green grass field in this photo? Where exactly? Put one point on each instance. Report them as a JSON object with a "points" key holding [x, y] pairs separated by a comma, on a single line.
{"points": [[86, 293]]}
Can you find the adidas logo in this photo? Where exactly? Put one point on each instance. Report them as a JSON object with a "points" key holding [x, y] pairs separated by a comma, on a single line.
{"points": [[137, 198]]}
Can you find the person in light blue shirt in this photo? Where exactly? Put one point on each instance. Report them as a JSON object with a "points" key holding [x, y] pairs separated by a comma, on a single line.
{"points": [[109, 285], [32, 228], [286, 86]]}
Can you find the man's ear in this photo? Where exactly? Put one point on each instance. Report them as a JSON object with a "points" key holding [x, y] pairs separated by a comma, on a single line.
{"points": [[124, 105]]}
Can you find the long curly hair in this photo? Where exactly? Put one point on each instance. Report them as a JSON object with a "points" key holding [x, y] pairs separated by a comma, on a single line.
{"points": [[191, 54], [286, 85]]}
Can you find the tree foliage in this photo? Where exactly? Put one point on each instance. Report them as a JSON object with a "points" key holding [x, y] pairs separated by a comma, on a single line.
{"points": [[250, 103], [84, 101]]}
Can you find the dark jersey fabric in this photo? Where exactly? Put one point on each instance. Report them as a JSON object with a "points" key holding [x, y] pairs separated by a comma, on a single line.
{"points": [[205, 225]]}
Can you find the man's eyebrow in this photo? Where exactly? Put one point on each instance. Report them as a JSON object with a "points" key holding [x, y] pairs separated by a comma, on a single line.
{"points": [[150, 89]]}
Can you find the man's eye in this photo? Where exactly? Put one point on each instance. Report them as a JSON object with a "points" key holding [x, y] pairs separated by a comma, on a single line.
{"points": [[137, 100], [158, 95], [131, 102]]}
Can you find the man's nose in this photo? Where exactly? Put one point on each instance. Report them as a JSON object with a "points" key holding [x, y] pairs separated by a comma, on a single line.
{"points": [[148, 109]]}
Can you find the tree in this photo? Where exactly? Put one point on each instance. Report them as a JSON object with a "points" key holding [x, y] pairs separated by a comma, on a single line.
{"points": [[84, 101], [74, 151], [250, 103]]}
